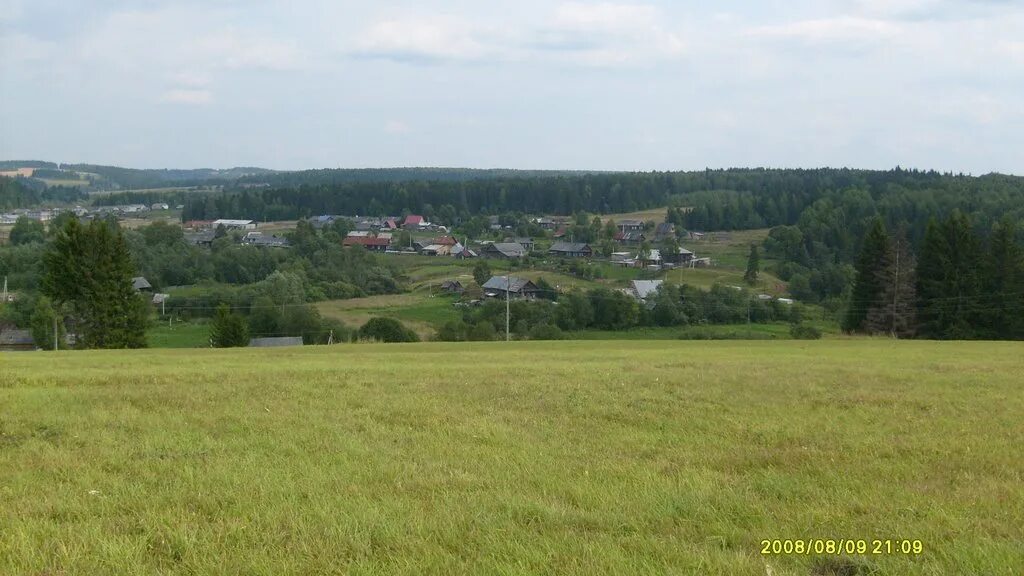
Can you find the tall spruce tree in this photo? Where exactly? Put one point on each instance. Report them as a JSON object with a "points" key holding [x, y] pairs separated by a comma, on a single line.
{"points": [[753, 266], [89, 268], [867, 288], [1002, 300], [963, 281], [931, 273], [950, 302], [228, 329], [895, 311]]}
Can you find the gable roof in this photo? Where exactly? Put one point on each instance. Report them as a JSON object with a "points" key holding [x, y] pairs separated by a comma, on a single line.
{"points": [[646, 288], [630, 236], [569, 247], [140, 283], [413, 219], [512, 249], [511, 283], [365, 241]]}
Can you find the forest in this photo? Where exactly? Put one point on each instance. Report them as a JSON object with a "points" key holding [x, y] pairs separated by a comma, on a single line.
{"points": [[21, 193]]}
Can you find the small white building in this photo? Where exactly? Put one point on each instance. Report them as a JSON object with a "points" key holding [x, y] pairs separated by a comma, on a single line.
{"points": [[234, 224]]}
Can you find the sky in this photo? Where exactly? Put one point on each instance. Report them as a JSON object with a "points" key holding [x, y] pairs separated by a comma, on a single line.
{"points": [[682, 85]]}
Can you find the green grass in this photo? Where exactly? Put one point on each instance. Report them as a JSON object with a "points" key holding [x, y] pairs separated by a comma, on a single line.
{"points": [[420, 311], [179, 335], [494, 458], [774, 331]]}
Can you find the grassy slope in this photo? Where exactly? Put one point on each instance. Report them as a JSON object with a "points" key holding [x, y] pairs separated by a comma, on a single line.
{"points": [[572, 457]]}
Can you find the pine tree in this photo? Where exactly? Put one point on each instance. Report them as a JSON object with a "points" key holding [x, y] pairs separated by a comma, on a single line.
{"points": [[867, 289], [90, 269], [963, 282], [950, 303], [228, 329], [895, 312], [931, 272], [1003, 285], [753, 266]]}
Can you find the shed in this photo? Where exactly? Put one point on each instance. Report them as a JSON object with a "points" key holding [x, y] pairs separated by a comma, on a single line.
{"points": [[571, 249], [275, 342], [453, 287], [497, 286]]}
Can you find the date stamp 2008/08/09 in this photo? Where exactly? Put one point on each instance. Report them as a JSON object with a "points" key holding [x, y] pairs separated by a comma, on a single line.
{"points": [[847, 546]]}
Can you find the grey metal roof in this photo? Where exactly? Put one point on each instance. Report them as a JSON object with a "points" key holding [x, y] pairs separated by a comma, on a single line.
{"points": [[16, 338], [140, 283], [501, 282], [569, 247], [275, 342], [510, 248], [646, 288]]}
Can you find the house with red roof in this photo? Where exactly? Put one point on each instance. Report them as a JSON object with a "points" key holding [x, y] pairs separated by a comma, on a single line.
{"points": [[368, 242], [413, 221]]}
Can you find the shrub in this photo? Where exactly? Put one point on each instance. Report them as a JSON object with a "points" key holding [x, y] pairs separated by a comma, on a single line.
{"points": [[804, 332], [545, 331], [482, 331], [387, 330], [452, 331]]}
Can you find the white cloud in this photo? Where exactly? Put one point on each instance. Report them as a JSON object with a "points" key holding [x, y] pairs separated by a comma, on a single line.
{"points": [[236, 50], [396, 127], [187, 96], [430, 39], [1014, 49], [829, 30], [589, 34], [606, 16]]}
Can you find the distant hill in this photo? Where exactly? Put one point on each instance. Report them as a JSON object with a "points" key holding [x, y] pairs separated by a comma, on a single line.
{"points": [[133, 178], [15, 164], [97, 178], [329, 176]]}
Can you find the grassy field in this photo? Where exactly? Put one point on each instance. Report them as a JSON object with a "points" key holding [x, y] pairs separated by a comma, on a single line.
{"points": [[179, 335], [567, 458], [419, 311], [656, 215]]}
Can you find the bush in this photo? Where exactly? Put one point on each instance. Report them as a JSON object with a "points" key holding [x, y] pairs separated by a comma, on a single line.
{"points": [[804, 332], [482, 331], [229, 329], [387, 330], [452, 331], [545, 331]]}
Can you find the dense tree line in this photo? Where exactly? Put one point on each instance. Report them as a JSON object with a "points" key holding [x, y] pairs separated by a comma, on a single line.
{"points": [[117, 177], [960, 284], [333, 176], [25, 192], [609, 309]]}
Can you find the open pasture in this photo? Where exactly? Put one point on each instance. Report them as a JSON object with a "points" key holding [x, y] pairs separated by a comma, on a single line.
{"points": [[530, 457]]}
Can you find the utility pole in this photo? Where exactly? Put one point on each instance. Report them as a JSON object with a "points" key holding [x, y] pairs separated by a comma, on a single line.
{"points": [[508, 288], [56, 338], [5, 290]]}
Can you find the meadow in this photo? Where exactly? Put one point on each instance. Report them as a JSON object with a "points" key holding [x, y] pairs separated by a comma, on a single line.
{"points": [[615, 457]]}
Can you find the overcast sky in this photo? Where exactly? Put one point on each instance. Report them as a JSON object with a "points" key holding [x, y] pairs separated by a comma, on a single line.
{"points": [[525, 84]]}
